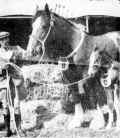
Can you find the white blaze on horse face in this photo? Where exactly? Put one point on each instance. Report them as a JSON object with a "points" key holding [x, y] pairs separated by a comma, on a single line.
{"points": [[35, 34], [36, 25]]}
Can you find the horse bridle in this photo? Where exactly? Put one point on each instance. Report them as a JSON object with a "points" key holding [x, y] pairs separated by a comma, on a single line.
{"points": [[47, 34]]}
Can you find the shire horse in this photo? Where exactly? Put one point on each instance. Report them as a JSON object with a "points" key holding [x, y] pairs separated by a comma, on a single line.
{"points": [[109, 62], [57, 40]]}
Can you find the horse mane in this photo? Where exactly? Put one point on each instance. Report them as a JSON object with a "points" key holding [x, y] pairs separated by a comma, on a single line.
{"points": [[65, 20], [68, 21]]}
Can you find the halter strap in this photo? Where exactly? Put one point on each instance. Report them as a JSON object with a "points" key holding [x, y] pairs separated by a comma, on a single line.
{"points": [[49, 30], [78, 46], [44, 40]]}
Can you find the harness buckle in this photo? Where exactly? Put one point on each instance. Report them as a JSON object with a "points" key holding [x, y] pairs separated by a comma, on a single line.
{"points": [[63, 65]]}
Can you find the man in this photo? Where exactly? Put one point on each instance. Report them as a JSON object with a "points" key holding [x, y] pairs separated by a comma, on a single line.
{"points": [[5, 56]]}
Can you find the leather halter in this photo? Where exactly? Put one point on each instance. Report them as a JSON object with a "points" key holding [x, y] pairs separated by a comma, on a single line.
{"points": [[44, 40]]}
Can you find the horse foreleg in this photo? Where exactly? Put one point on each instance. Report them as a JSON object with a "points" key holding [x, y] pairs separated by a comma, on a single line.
{"points": [[77, 118], [111, 116], [116, 105], [110, 104], [98, 121]]}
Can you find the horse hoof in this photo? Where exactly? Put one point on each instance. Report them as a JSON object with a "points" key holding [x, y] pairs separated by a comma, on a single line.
{"points": [[94, 125], [108, 127], [75, 123]]}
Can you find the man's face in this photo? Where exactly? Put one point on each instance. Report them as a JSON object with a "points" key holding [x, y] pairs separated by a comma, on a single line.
{"points": [[4, 42]]}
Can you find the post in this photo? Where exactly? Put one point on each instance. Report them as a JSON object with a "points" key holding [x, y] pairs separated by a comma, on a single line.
{"points": [[87, 23]]}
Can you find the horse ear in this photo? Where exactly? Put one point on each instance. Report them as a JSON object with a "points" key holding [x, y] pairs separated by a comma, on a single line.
{"points": [[47, 9]]}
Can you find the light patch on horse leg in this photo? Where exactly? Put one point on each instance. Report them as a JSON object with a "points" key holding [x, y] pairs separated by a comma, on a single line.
{"points": [[77, 118], [110, 119], [116, 105], [32, 41], [98, 121]]}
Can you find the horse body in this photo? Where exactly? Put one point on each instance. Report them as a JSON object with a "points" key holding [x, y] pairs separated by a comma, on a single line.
{"points": [[103, 42], [53, 37]]}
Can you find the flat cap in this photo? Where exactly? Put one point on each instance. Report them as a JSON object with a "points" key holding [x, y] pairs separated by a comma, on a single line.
{"points": [[4, 34]]}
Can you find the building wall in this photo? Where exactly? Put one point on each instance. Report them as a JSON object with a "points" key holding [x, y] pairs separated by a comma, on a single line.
{"points": [[19, 28], [102, 24]]}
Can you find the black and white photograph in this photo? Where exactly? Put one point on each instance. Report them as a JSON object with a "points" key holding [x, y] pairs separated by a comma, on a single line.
{"points": [[59, 68]]}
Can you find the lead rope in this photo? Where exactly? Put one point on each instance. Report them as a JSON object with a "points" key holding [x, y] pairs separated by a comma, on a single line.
{"points": [[83, 34], [10, 105], [43, 42]]}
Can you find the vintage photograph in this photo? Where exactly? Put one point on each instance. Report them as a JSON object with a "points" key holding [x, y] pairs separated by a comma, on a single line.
{"points": [[59, 68]]}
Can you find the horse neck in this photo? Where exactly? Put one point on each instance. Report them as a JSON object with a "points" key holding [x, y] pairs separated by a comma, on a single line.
{"points": [[70, 32]]}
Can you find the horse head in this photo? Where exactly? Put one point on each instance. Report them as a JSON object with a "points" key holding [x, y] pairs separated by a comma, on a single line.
{"points": [[40, 27], [52, 36]]}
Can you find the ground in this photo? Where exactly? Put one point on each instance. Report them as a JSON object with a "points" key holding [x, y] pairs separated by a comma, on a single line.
{"points": [[51, 124]]}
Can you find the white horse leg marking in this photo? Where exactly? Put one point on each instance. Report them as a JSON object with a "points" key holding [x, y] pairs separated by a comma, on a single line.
{"points": [[110, 119], [110, 109], [35, 29], [116, 105], [77, 118], [98, 121]]}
